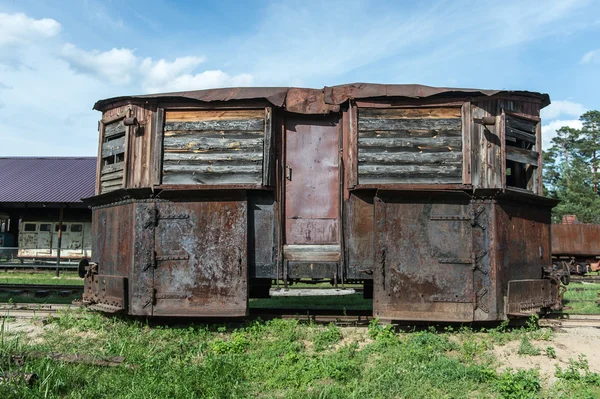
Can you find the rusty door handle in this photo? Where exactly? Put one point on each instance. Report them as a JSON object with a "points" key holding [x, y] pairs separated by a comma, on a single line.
{"points": [[288, 172]]}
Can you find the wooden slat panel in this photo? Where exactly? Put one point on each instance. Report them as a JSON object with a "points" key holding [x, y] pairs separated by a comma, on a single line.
{"points": [[112, 167], [211, 156], [395, 113], [411, 170], [521, 124], [409, 124], [217, 134], [522, 156], [450, 143], [388, 134], [267, 145], [196, 142], [223, 169], [118, 175], [113, 129], [520, 134], [208, 178], [213, 115], [226, 125], [411, 158], [112, 147], [467, 139]]}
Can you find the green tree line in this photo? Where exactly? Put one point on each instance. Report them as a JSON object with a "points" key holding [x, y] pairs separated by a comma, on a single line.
{"points": [[571, 170]]}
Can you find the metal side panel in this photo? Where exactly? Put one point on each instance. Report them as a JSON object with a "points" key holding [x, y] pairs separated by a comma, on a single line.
{"points": [[142, 272], [424, 259], [201, 258], [526, 297]]}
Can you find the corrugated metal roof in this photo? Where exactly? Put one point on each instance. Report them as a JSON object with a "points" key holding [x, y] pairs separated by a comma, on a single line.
{"points": [[47, 179], [319, 101]]}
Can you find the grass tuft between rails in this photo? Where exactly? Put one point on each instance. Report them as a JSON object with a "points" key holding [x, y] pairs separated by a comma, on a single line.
{"points": [[280, 358]]}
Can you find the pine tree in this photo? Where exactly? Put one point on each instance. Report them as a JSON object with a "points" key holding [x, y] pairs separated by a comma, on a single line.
{"points": [[571, 167]]}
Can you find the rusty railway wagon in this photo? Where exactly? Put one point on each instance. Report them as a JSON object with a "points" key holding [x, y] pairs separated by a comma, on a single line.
{"points": [[430, 197], [576, 246]]}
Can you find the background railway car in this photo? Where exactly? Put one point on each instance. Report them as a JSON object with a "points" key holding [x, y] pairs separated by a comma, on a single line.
{"points": [[577, 245], [38, 240], [430, 197]]}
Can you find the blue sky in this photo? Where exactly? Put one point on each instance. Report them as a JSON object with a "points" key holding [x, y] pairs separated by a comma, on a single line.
{"points": [[58, 57]]}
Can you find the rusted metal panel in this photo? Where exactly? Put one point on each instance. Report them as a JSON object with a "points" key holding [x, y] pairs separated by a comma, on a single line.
{"points": [[521, 242], [526, 297], [424, 258], [410, 145], [214, 147], [312, 180], [262, 242], [201, 257], [141, 282], [360, 234], [576, 239]]}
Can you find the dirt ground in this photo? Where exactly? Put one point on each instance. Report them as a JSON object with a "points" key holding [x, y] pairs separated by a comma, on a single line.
{"points": [[568, 343]]}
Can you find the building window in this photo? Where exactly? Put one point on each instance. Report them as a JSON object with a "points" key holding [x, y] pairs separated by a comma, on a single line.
{"points": [[76, 228], [45, 227], [29, 227]]}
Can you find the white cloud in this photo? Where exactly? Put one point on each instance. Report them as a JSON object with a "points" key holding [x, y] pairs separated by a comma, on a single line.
{"points": [[558, 108], [592, 56], [549, 130], [20, 29], [160, 74], [204, 80], [116, 65]]}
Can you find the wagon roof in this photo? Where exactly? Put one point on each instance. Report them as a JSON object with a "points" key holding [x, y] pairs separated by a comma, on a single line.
{"points": [[327, 99], [47, 179]]}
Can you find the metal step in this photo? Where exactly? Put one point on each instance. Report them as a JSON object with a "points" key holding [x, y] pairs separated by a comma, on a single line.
{"points": [[311, 292]]}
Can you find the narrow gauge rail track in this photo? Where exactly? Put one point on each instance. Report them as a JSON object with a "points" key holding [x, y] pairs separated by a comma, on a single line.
{"points": [[41, 289], [319, 316]]}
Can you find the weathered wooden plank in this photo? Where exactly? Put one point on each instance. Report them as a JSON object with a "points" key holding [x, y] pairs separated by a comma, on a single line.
{"points": [[520, 134], [118, 175], [229, 124], [352, 167], [208, 169], [466, 134], [217, 134], [198, 143], [522, 155], [409, 124], [210, 178], [113, 167], [426, 112], [410, 170], [521, 124], [452, 143], [159, 124], [268, 156], [113, 147], [212, 163], [111, 184], [409, 133], [208, 115], [116, 143], [412, 180], [114, 129], [213, 156], [411, 158]]}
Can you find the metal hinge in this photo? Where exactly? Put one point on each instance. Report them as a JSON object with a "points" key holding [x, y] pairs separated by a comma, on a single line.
{"points": [[476, 258], [170, 257], [479, 303]]}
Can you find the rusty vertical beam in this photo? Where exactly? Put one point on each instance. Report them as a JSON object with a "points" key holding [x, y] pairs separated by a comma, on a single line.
{"points": [[60, 227]]}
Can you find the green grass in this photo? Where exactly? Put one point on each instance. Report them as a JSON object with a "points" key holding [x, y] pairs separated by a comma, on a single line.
{"points": [[274, 359], [585, 292], [29, 298], [46, 277]]}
